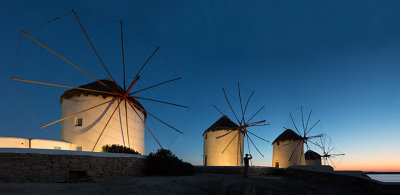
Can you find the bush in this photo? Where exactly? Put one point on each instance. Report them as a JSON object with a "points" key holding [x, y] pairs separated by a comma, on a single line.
{"points": [[163, 162], [118, 149]]}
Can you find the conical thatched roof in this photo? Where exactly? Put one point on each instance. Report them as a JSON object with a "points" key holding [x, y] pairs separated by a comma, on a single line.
{"points": [[311, 155], [288, 134], [99, 87], [223, 123]]}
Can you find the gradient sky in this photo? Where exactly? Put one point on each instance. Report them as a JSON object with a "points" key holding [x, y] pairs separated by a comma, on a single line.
{"points": [[339, 59]]}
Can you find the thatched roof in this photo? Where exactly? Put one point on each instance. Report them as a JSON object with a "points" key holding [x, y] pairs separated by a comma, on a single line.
{"points": [[99, 87], [223, 123], [288, 134], [311, 155]]}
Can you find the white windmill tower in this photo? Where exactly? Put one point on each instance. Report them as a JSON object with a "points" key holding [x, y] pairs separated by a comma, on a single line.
{"points": [[102, 112], [288, 148], [84, 129], [312, 158], [217, 137], [224, 140], [328, 151]]}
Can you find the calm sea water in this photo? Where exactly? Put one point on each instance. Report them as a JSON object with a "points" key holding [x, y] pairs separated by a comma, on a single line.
{"points": [[385, 177]]}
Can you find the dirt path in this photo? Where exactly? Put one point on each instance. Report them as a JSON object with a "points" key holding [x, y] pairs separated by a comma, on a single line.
{"points": [[199, 184]]}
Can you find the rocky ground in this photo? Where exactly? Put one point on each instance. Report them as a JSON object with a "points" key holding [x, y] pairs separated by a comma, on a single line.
{"points": [[203, 183]]}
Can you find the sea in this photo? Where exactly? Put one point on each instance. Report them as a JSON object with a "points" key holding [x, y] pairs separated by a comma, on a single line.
{"points": [[384, 177]]}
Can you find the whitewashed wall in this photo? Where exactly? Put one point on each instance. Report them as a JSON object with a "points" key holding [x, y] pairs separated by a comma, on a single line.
{"points": [[15, 142], [283, 151], [94, 121], [313, 162], [214, 146]]}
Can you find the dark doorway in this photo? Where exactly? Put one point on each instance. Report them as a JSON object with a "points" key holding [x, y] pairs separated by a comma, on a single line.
{"points": [[277, 164]]}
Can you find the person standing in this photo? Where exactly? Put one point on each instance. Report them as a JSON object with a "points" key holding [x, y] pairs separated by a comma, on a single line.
{"points": [[246, 164]]}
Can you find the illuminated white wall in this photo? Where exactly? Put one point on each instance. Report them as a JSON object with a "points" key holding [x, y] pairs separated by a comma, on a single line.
{"points": [[51, 144], [94, 120], [282, 151], [15, 142], [213, 147]]}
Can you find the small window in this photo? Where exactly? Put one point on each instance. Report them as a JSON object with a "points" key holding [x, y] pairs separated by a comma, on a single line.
{"points": [[78, 121], [79, 148], [206, 136], [57, 148]]}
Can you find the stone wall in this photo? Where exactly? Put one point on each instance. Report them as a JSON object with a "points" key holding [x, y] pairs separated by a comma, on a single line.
{"points": [[34, 167]]}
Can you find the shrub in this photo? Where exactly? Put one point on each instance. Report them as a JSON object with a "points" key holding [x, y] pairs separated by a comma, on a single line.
{"points": [[163, 162], [118, 149]]}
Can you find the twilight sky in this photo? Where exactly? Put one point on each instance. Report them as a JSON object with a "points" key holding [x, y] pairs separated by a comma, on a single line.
{"points": [[339, 59]]}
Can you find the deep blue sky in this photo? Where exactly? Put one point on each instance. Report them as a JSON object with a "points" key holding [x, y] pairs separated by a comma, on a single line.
{"points": [[338, 58]]}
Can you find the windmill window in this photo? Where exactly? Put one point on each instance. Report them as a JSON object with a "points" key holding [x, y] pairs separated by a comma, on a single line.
{"points": [[78, 121], [57, 148], [206, 136]]}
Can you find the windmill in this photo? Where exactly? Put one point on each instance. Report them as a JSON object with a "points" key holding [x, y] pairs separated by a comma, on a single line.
{"points": [[328, 151], [305, 137], [289, 146], [120, 97], [235, 133]]}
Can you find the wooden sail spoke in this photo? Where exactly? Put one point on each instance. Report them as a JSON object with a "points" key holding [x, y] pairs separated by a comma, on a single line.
{"points": [[159, 101], [77, 113], [148, 59], [230, 142], [241, 106], [69, 62], [255, 123], [255, 114], [337, 154], [126, 121], [308, 119], [227, 100], [315, 143], [144, 122], [257, 136], [315, 136], [155, 85], [58, 85], [247, 103], [105, 126], [94, 49], [123, 55], [297, 147], [312, 127], [302, 121], [255, 146], [248, 145], [294, 124], [333, 164], [156, 117], [331, 150], [218, 110]]}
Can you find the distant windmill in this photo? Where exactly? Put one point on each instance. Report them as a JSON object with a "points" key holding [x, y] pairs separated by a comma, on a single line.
{"points": [[327, 151], [288, 147], [108, 96], [305, 133], [236, 131]]}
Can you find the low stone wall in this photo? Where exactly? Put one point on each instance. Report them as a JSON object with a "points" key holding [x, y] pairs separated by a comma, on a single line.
{"points": [[37, 167]]}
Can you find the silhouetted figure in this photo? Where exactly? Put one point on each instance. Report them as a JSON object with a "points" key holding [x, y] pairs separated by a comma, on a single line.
{"points": [[246, 164]]}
